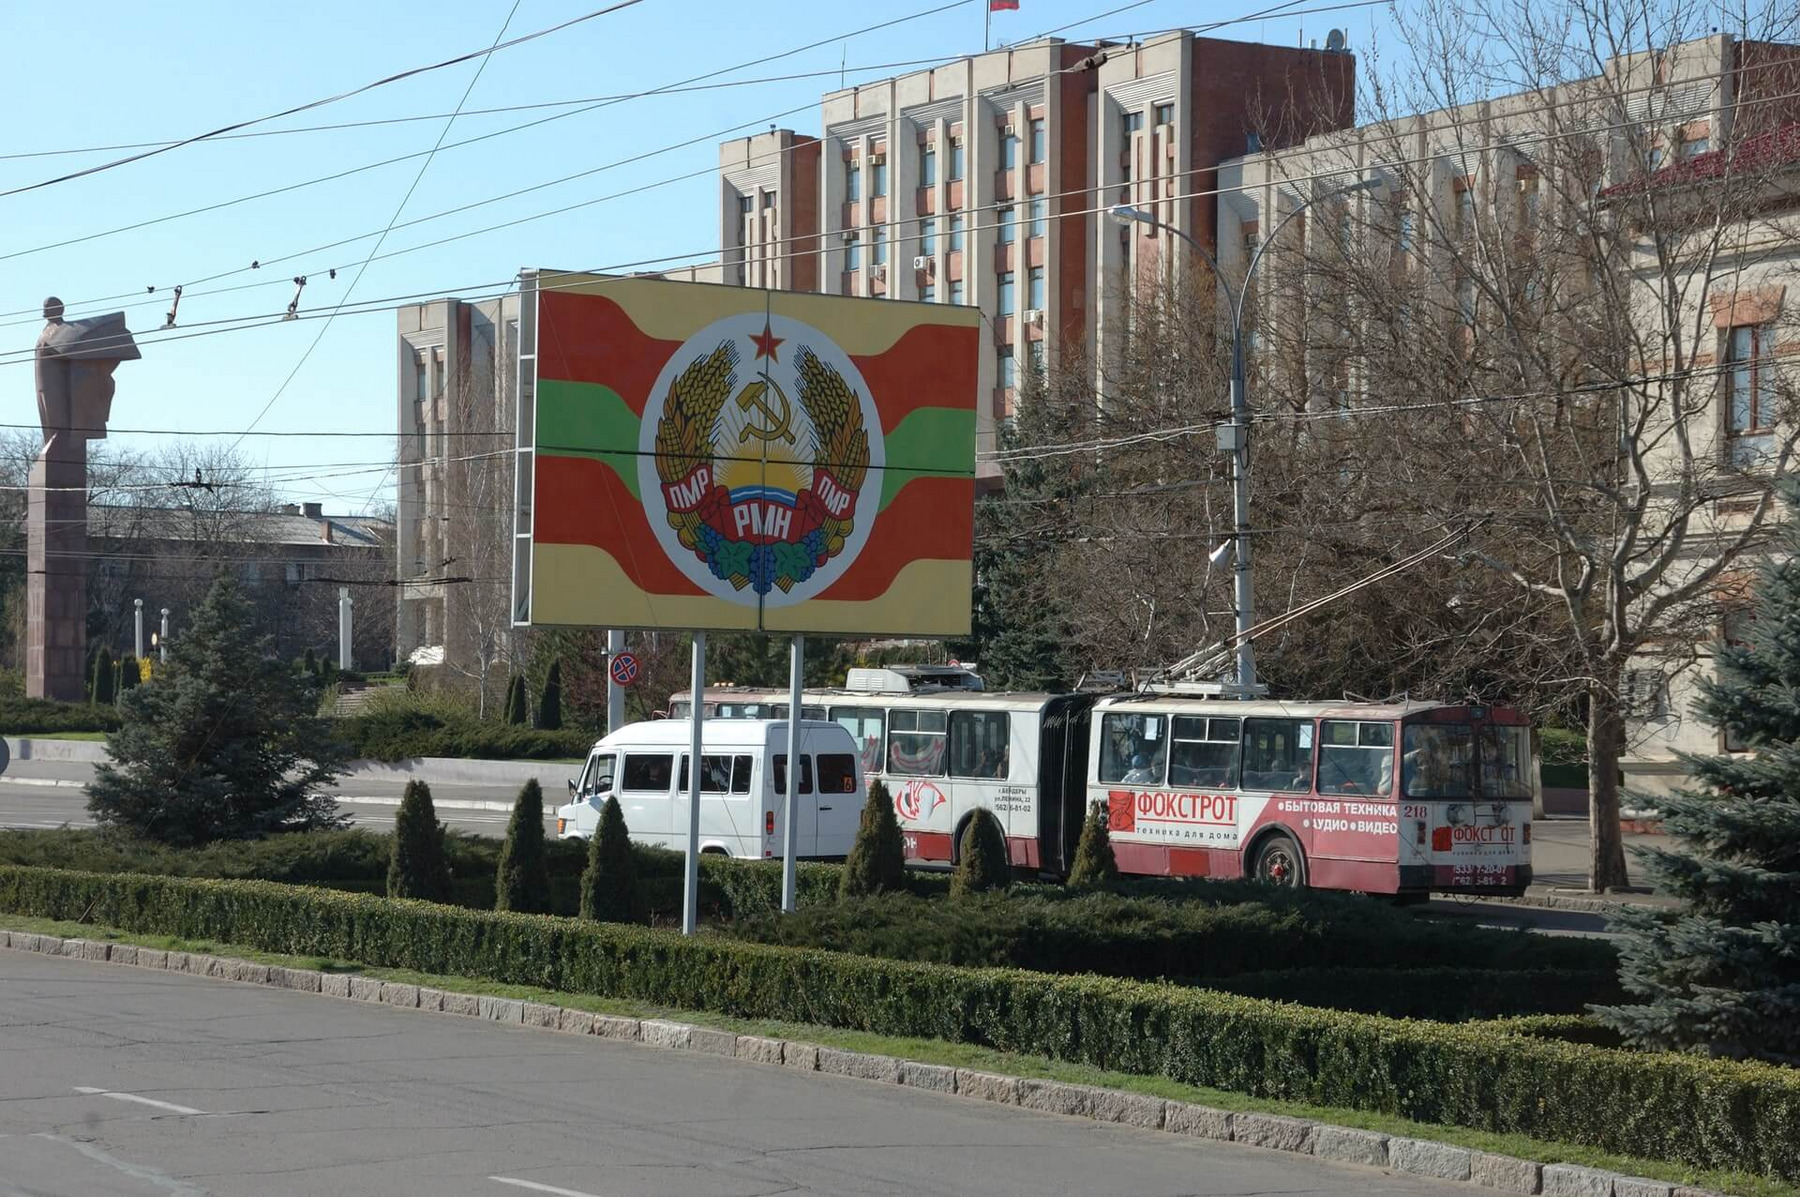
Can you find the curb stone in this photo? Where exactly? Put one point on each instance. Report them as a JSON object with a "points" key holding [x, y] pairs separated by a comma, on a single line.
{"points": [[1270, 1131]]}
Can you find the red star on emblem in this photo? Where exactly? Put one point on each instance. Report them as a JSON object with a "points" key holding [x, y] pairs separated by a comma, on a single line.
{"points": [[766, 343]]}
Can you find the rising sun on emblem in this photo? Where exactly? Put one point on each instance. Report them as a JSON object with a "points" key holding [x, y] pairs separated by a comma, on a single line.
{"points": [[761, 450]]}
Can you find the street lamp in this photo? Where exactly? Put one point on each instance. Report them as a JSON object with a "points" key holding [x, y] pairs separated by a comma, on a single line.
{"points": [[1234, 437]]}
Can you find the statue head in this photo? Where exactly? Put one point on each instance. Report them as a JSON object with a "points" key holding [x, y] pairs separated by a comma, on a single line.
{"points": [[53, 309]]}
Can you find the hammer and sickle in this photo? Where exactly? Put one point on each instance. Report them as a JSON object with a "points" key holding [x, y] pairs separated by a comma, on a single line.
{"points": [[778, 427]]}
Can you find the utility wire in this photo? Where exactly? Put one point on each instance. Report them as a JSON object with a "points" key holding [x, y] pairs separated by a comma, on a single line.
{"points": [[483, 55]]}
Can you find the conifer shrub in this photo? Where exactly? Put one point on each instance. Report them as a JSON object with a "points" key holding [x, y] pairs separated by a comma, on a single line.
{"points": [[522, 882], [609, 886], [131, 675], [517, 713], [877, 860], [1095, 866], [549, 712], [102, 690], [981, 862], [416, 868]]}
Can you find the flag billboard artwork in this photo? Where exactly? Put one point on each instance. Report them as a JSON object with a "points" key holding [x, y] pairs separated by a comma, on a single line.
{"points": [[700, 456]]}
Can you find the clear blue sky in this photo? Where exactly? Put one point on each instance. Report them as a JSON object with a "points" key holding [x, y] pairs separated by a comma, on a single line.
{"points": [[135, 72]]}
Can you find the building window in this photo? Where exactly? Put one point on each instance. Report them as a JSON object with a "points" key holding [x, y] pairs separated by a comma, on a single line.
{"points": [[1465, 300], [1654, 159], [1750, 418], [1039, 140], [768, 201], [421, 381], [852, 182], [1009, 299], [1131, 122], [1009, 150], [928, 236], [879, 245], [1034, 288], [1038, 212], [852, 252], [878, 178], [956, 291], [927, 165], [927, 294], [956, 233], [1403, 231], [956, 159], [1009, 369], [1530, 200], [1465, 210], [746, 204], [1009, 230], [1693, 147], [1165, 114]]}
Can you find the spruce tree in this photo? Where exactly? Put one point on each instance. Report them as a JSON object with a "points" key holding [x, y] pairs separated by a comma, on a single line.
{"points": [[516, 710], [549, 712], [609, 884], [981, 857], [223, 743], [416, 865], [102, 692], [523, 884], [1721, 973], [877, 859], [1095, 866]]}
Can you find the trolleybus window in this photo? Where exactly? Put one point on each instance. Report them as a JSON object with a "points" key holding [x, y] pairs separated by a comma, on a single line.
{"points": [[978, 744], [837, 773], [1505, 762], [719, 774], [648, 773], [1204, 752], [1133, 749], [1356, 758], [1278, 754], [916, 743], [865, 724], [1437, 760]]}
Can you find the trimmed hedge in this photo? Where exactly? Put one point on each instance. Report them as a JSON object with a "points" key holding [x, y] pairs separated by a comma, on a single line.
{"points": [[41, 716], [401, 734], [1439, 994], [1705, 1113], [1242, 929]]}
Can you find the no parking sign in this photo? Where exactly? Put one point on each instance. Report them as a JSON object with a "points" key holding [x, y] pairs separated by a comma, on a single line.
{"points": [[624, 668]]}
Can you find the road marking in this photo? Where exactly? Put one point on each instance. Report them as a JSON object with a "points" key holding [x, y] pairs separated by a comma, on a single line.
{"points": [[171, 1107], [535, 1187], [135, 1171]]}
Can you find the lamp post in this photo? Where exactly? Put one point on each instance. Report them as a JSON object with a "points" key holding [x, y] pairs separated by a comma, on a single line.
{"points": [[1234, 436], [137, 640], [162, 643]]}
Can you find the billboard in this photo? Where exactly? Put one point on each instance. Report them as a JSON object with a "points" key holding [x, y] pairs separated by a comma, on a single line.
{"points": [[710, 457]]}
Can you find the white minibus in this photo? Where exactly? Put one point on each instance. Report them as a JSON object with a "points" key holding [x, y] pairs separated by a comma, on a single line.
{"points": [[743, 777]]}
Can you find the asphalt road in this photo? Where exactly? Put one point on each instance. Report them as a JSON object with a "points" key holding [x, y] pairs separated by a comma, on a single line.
{"points": [[122, 1083], [50, 794]]}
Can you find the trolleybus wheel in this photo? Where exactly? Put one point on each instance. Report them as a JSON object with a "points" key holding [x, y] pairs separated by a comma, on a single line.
{"points": [[1278, 862]]}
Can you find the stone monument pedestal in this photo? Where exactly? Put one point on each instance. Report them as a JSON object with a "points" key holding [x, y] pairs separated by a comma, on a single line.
{"points": [[75, 363]]}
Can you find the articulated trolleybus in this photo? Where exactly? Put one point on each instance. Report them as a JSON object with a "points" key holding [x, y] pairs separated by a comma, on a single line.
{"points": [[1391, 798]]}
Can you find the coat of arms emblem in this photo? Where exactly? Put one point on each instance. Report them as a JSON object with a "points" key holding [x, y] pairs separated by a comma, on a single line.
{"points": [[758, 443]]}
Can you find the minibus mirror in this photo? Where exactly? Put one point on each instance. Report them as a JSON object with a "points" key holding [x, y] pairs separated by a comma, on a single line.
{"points": [[571, 785]]}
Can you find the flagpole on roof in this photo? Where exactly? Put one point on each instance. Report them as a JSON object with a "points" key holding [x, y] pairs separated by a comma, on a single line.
{"points": [[987, 26]]}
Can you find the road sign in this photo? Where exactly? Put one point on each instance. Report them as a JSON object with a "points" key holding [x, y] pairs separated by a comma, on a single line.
{"points": [[624, 668]]}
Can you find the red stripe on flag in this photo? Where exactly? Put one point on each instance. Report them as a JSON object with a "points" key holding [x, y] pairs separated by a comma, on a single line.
{"points": [[1003, 5]]}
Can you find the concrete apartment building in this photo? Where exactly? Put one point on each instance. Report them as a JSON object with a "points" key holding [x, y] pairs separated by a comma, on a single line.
{"points": [[1455, 192], [984, 182]]}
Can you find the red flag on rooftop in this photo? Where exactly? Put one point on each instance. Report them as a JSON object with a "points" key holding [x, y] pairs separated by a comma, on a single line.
{"points": [[1003, 5]]}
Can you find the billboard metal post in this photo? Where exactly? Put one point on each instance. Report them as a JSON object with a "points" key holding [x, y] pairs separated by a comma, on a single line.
{"points": [[690, 890], [615, 693], [344, 625], [791, 822], [138, 628]]}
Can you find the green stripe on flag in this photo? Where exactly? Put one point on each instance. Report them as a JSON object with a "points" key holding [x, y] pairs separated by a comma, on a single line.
{"points": [[940, 438], [585, 419]]}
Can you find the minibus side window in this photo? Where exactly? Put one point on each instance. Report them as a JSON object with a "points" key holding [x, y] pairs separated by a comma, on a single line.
{"points": [[648, 772], [806, 773]]}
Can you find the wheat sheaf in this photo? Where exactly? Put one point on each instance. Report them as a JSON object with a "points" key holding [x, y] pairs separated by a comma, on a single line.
{"points": [[836, 413], [684, 435]]}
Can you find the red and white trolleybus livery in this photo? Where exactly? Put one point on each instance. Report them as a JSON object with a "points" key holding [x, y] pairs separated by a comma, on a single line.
{"points": [[1385, 798], [1392, 798]]}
